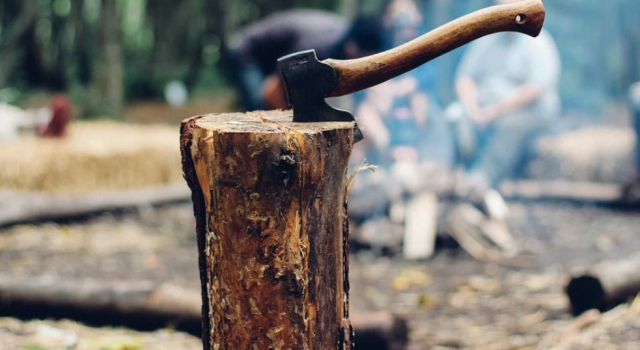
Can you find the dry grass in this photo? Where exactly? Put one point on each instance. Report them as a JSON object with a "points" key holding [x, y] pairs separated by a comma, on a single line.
{"points": [[99, 155]]}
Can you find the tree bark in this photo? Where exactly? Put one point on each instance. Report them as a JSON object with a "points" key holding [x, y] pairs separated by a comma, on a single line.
{"points": [[605, 286], [270, 204], [17, 40], [350, 8], [107, 95]]}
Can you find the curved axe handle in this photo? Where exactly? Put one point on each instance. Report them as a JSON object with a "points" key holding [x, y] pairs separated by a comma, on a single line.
{"points": [[354, 75]]}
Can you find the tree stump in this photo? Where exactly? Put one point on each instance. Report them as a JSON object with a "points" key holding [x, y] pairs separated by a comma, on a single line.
{"points": [[269, 198]]}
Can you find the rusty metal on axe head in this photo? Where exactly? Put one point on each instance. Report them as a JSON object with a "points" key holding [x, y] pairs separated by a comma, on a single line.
{"points": [[309, 81]]}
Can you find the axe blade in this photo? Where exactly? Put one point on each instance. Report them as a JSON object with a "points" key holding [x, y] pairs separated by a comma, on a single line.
{"points": [[308, 82]]}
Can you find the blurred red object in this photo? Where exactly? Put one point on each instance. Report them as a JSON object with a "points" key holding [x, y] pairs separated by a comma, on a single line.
{"points": [[57, 126]]}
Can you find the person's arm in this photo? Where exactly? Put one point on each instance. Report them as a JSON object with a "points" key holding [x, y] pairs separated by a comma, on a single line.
{"points": [[373, 128], [521, 96], [370, 113], [273, 92], [467, 75], [468, 94], [543, 74], [634, 95], [420, 107]]}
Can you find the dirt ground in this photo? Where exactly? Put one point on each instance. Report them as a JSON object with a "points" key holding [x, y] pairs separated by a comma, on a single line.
{"points": [[49, 335], [452, 301]]}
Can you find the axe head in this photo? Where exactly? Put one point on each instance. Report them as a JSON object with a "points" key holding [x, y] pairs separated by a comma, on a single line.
{"points": [[308, 82]]}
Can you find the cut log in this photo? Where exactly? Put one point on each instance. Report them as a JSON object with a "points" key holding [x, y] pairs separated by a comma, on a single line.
{"points": [[141, 305], [270, 204], [147, 305], [380, 331], [594, 154], [605, 286], [16, 206], [562, 189]]}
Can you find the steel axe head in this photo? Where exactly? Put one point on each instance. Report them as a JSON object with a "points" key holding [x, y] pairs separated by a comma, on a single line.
{"points": [[308, 82]]}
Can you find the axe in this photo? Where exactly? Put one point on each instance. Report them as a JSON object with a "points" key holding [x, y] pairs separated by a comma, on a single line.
{"points": [[309, 81]]}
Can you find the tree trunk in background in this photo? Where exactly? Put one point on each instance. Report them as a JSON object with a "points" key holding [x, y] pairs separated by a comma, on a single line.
{"points": [[269, 200], [57, 72], [215, 26], [18, 36], [219, 12], [169, 18], [81, 50], [218, 25], [350, 8], [107, 90], [197, 33]]}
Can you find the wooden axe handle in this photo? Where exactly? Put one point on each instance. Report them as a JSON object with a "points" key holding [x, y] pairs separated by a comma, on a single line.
{"points": [[354, 75]]}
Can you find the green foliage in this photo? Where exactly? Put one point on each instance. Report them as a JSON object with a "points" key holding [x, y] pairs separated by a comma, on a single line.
{"points": [[62, 8]]}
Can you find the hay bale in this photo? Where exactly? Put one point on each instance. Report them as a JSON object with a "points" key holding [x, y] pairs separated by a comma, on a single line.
{"points": [[596, 154], [102, 155]]}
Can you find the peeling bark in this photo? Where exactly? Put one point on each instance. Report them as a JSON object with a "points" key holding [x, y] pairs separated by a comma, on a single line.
{"points": [[269, 199]]}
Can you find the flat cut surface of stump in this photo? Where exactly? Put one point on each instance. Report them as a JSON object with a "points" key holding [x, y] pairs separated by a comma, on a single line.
{"points": [[265, 122]]}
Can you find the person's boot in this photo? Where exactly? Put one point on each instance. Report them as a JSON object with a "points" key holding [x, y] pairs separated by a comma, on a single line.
{"points": [[494, 205]]}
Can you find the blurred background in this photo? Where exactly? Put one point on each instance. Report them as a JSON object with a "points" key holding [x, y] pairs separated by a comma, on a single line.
{"points": [[61, 45], [93, 203]]}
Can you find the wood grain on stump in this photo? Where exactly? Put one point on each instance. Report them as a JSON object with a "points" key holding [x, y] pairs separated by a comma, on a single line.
{"points": [[269, 199]]}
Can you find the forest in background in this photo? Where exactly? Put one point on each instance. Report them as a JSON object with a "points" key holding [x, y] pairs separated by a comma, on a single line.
{"points": [[105, 53]]}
